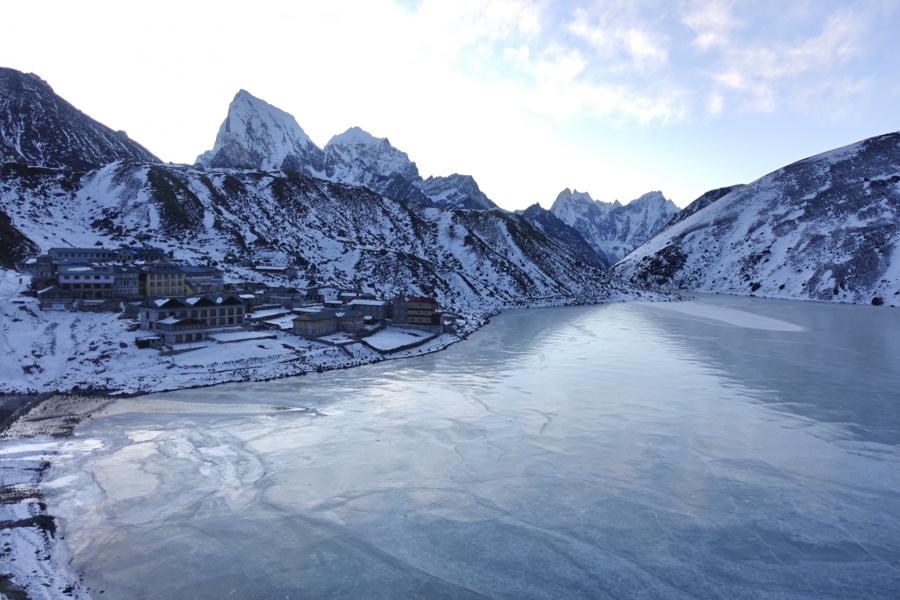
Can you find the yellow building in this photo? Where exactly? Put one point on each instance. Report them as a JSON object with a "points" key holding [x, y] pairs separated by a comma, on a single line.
{"points": [[159, 281]]}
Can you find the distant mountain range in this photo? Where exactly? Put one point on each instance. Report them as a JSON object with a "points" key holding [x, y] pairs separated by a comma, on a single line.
{"points": [[358, 212], [613, 229]]}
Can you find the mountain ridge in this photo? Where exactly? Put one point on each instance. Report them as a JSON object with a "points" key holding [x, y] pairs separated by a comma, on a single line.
{"points": [[826, 228], [40, 128], [611, 228], [354, 156]]}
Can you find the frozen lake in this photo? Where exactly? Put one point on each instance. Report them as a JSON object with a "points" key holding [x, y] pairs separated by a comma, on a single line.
{"points": [[723, 448]]}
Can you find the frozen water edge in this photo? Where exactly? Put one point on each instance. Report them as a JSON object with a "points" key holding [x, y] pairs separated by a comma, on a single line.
{"points": [[34, 563]]}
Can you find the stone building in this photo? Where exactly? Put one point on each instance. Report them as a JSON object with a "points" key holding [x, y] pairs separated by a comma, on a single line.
{"points": [[316, 324]]}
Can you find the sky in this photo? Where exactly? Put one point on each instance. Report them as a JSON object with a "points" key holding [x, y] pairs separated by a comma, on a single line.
{"points": [[613, 97]]}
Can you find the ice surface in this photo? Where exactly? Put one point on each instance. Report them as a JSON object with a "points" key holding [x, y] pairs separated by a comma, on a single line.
{"points": [[730, 316], [619, 451]]}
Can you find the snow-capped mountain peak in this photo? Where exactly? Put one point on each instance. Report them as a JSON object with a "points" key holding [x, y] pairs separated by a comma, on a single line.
{"points": [[354, 136], [356, 156], [611, 228], [257, 135]]}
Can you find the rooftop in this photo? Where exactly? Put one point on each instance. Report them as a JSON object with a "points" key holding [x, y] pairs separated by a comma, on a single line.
{"points": [[323, 315], [361, 302]]}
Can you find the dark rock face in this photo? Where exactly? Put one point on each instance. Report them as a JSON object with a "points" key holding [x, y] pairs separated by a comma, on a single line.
{"points": [[701, 203], [566, 235], [823, 228], [39, 128], [14, 246]]}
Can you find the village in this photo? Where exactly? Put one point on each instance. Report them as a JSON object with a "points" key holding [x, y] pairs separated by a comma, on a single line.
{"points": [[178, 308]]}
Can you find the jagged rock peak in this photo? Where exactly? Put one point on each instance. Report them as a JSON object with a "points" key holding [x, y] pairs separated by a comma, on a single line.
{"points": [[258, 135], [457, 191], [611, 228]]}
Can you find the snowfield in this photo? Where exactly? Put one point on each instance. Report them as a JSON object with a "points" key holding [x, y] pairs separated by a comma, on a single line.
{"points": [[391, 338]]}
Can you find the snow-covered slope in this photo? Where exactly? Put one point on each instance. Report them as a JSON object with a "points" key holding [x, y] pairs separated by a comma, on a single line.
{"points": [[611, 228], [471, 260], [823, 228], [256, 135], [37, 127]]}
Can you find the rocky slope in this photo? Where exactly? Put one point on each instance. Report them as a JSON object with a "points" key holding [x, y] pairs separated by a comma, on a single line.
{"points": [[257, 135], [566, 235], [611, 228], [14, 246], [39, 128], [824, 228]]}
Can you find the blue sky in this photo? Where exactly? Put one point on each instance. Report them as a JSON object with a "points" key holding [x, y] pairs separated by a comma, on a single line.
{"points": [[614, 97]]}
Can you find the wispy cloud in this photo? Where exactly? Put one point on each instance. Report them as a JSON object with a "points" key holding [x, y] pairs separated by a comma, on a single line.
{"points": [[615, 39], [764, 73], [712, 22]]}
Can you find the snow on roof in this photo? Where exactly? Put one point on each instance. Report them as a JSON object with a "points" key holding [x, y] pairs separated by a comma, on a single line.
{"points": [[169, 320], [361, 302], [272, 312], [285, 322], [309, 309], [247, 296], [160, 301]]}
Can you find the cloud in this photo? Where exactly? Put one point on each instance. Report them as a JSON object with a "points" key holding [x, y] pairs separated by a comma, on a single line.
{"points": [[715, 104], [713, 23], [764, 72], [616, 38]]}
